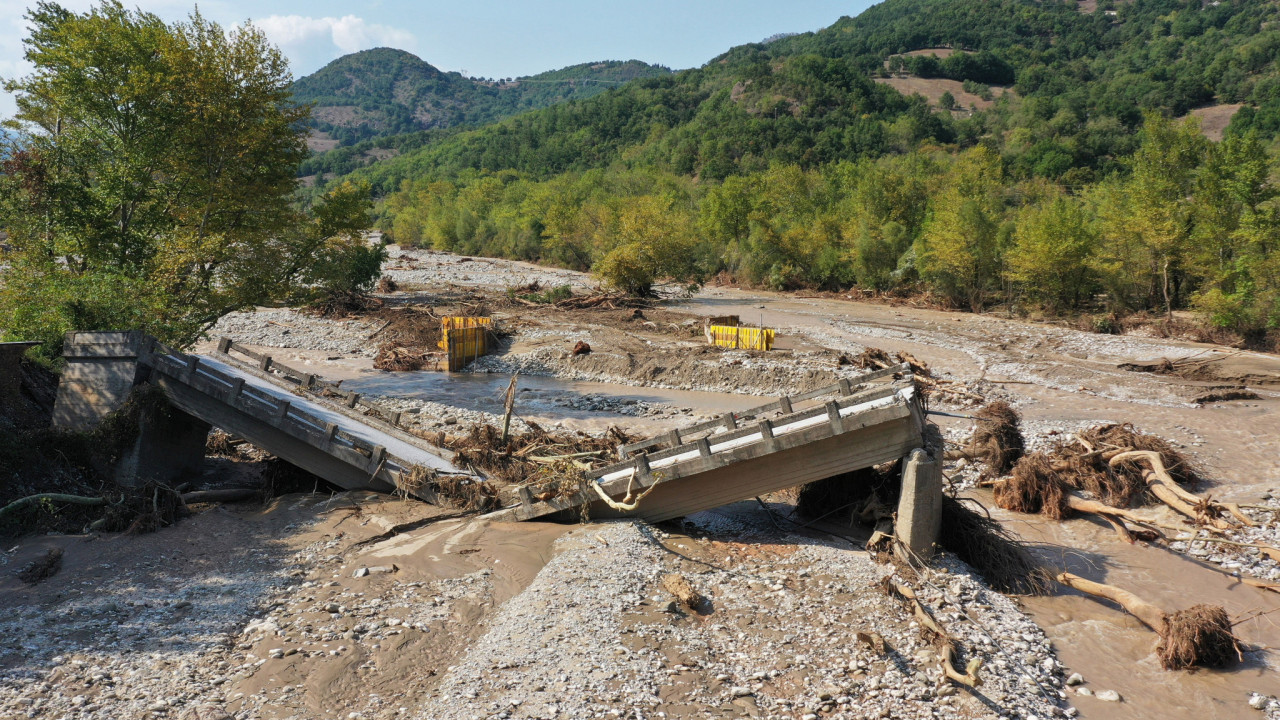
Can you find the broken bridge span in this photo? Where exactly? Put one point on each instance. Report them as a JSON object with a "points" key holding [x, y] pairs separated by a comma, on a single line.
{"points": [[847, 426]]}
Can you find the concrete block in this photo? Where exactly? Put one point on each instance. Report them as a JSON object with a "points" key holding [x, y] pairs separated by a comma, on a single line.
{"points": [[919, 507]]}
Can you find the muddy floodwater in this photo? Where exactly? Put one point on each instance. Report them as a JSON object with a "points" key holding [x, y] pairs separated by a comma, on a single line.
{"points": [[548, 400]]}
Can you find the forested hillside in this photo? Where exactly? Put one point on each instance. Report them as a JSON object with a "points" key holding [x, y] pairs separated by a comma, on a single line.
{"points": [[387, 92], [1054, 171]]}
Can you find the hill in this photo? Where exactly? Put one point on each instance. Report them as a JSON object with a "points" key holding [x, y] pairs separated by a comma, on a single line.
{"points": [[1016, 176], [386, 92]]}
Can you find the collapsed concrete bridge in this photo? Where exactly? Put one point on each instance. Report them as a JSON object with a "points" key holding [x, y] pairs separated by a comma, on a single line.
{"points": [[848, 426], [292, 415], [840, 428]]}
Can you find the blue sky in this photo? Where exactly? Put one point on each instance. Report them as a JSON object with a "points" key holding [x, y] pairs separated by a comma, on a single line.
{"points": [[484, 38]]}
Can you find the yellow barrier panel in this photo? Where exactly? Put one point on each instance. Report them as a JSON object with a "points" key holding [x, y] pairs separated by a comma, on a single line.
{"points": [[464, 344], [454, 322], [742, 338]]}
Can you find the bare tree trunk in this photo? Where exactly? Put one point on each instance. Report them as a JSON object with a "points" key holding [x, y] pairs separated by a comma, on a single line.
{"points": [[1164, 275]]}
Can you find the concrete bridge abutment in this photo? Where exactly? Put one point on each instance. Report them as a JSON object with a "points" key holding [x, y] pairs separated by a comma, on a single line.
{"points": [[101, 372]]}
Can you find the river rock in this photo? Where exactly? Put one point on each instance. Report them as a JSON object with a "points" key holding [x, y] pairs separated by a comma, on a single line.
{"points": [[1109, 696], [1075, 679]]}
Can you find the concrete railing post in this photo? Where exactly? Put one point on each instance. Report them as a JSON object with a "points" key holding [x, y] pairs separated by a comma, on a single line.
{"points": [[919, 507]]}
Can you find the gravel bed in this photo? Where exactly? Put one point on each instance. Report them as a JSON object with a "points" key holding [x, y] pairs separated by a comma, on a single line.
{"points": [[291, 329], [430, 268], [779, 643], [152, 641]]}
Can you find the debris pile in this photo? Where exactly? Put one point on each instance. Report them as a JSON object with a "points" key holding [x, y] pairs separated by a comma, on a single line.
{"points": [[876, 359], [868, 496], [533, 458]]}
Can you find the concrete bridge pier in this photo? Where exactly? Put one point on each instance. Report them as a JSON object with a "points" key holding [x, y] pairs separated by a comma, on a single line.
{"points": [[102, 370], [919, 519], [170, 447]]}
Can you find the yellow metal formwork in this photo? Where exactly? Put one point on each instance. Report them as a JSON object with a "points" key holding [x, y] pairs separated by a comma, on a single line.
{"points": [[742, 338], [464, 339]]}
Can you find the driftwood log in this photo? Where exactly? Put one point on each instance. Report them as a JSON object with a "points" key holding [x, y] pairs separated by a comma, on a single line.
{"points": [[1199, 636]]}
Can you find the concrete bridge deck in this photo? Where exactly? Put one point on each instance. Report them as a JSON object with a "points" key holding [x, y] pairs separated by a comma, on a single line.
{"points": [[851, 425]]}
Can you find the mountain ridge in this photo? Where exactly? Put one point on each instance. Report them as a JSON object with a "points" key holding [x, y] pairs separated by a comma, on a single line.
{"points": [[385, 91]]}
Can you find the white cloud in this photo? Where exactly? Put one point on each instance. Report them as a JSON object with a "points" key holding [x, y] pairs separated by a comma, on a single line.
{"points": [[309, 42]]}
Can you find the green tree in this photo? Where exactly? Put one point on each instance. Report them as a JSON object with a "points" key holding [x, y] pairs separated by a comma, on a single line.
{"points": [[649, 240], [150, 180], [1053, 243], [1236, 237], [1160, 197], [958, 253]]}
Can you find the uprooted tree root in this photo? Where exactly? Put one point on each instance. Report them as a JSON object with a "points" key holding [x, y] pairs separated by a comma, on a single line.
{"points": [[1116, 437], [989, 549], [1200, 636], [1117, 465], [997, 439], [1036, 487]]}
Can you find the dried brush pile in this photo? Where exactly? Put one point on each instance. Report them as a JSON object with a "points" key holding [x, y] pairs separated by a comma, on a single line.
{"points": [[398, 358], [466, 493], [997, 439], [344, 303], [143, 509], [974, 537], [525, 458]]}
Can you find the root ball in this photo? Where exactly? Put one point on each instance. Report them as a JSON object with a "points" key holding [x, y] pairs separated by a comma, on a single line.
{"points": [[1199, 636], [997, 440]]}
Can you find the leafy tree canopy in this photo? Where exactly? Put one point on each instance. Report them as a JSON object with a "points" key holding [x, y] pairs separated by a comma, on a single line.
{"points": [[149, 183]]}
